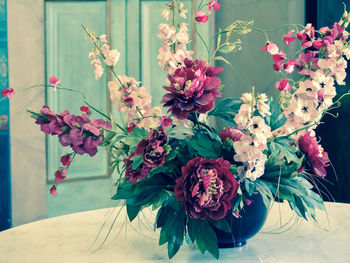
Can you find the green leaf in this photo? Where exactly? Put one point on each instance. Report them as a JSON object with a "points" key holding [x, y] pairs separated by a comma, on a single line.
{"points": [[280, 148], [137, 160], [179, 132], [277, 119], [172, 220], [132, 211], [249, 186], [221, 224], [227, 110], [206, 145], [222, 59], [135, 137], [205, 237]]}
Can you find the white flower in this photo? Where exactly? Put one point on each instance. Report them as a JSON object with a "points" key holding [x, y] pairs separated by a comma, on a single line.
{"points": [[243, 116]]}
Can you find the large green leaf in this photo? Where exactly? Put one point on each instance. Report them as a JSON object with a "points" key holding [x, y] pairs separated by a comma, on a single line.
{"points": [[204, 235], [280, 148], [172, 220], [206, 145], [135, 137], [277, 118], [227, 110]]}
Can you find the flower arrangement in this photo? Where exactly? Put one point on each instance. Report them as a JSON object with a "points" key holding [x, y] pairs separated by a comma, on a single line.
{"points": [[179, 162]]}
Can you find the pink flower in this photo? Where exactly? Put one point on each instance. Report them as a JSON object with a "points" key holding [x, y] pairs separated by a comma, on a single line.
{"points": [[213, 4], [288, 39], [232, 133], [60, 174], [131, 127], [193, 88], [53, 191], [270, 47], [8, 92], [206, 188], [201, 17], [279, 57], [283, 85], [86, 110], [289, 66], [315, 154], [66, 159], [165, 121], [55, 81]]}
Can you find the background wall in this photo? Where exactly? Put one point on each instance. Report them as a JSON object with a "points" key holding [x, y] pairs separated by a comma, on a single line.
{"points": [[251, 67], [26, 67]]}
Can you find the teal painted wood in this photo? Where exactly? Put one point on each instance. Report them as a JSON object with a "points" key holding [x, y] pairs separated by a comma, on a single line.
{"points": [[67, 58], [5, 171]]}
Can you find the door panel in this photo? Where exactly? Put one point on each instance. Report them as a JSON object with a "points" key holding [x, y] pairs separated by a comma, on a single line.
{"points": [[67, 58]]}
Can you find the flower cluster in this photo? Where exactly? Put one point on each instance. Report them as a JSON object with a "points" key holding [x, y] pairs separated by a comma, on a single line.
{"points": [[150, 152], [192, 88], [206, 188], [101, 48], [173, 51], [305, 101], [79, 132], [135, 102], [249, 148]]}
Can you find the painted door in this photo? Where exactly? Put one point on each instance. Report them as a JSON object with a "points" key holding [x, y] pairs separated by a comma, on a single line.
{"points": [[132, 27]]}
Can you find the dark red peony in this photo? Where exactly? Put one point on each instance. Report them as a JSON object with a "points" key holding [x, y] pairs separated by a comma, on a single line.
{"points": [[317, 158], [192, 88], [153, 155], [206, 188], [232, 133]]}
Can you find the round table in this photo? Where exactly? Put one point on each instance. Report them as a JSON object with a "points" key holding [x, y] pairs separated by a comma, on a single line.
{"points": [[80, 237]]}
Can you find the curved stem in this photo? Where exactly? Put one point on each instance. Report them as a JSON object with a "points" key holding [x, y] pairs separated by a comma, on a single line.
{"points": [[205, 44]]}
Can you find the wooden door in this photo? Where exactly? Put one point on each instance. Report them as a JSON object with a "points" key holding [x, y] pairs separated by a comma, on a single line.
{"points": [[132, 28]]}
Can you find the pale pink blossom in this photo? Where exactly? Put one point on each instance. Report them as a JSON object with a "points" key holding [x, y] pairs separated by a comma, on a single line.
{"points": [[53, 191], [270, 47], [55, 81], [165, 14], [103, 38], [282, 85]]}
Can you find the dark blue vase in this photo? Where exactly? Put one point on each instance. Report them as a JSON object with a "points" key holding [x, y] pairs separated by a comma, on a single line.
{"points": [[252, 219]]}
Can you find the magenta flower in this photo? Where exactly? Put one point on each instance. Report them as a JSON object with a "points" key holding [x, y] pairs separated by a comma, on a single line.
{"points": [[270, 47], [289, 66], [206, 188], [60, 174], [213, 5], [79, 132], [315, 154], [153, 155], [8, 93], [279, 57], [54, 81], [232, 133], [288, 38], [201, 17], [193, 88], [66, 159], [86, 110], [283, 85], [165, 121], [53, 191]]}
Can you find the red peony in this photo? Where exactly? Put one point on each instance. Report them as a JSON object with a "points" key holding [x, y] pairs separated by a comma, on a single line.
{"points": [[206, 188], [232, 133], [192, 88], [153, 155], [317, 158]]}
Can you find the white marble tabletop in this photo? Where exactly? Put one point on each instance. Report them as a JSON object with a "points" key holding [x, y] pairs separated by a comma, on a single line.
{"points": [[74, 238]]}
